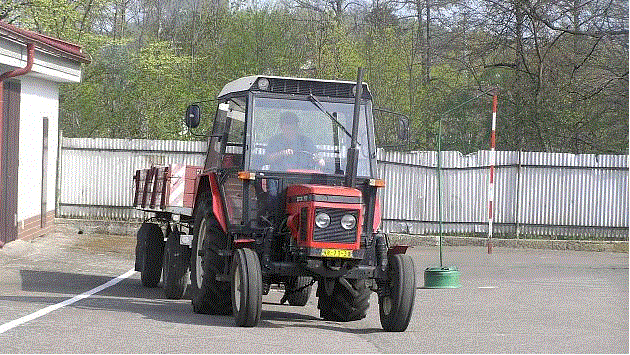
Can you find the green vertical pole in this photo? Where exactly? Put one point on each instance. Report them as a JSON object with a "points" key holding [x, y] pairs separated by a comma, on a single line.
{"points": [[442, 277], [440, 187]]}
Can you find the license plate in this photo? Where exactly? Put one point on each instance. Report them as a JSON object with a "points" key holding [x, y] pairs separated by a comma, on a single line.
{"points": [[337, 253]]}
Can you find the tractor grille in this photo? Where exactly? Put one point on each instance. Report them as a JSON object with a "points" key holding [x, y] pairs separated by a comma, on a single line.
{"points": [[316, 88], [335, 233]]}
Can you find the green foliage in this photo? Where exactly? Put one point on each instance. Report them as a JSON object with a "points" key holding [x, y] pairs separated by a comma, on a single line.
{"points": [[560, 89]]}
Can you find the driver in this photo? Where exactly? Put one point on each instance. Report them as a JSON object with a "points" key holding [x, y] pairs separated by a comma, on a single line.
{"points": [[290, 149]]}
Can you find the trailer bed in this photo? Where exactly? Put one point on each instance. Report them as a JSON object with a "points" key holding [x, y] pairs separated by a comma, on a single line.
{"points": [[168, 188]]}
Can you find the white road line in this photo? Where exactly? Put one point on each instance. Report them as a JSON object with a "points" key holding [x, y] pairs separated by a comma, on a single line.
{"points": [[54, 307], [487, 287]]}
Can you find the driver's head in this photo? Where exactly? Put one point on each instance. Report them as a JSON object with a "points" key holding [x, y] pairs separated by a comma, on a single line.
{"points": [[289, 124]]}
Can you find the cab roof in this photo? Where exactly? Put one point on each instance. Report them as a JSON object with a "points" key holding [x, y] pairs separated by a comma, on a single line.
{"points": [[296, 86]]}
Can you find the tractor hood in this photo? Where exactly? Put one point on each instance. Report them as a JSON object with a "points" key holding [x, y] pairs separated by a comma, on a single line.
{"points": [[321, 193]]}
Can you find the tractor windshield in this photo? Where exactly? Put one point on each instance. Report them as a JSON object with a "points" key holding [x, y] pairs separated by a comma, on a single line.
{"points": [[291, 135]]}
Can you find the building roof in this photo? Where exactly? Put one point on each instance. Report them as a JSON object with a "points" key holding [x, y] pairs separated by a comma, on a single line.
{"points": [[42, 42]]}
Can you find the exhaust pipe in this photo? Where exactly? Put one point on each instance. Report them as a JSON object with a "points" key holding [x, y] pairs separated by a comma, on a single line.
{"points": [[353, 156]]}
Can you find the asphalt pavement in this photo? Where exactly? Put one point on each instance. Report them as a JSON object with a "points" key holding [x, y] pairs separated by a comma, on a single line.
{"points": [[512, 301]]}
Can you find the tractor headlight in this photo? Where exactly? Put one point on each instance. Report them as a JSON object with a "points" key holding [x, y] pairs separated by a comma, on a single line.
{"points": [[322, 220], [348, 221]]}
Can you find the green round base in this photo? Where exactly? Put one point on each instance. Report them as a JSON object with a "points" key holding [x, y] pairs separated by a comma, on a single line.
{"points": [[441, 277]]}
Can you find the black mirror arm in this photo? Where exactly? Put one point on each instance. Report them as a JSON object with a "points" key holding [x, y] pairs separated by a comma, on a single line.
{"points": [[405, 119], [403, 122]]}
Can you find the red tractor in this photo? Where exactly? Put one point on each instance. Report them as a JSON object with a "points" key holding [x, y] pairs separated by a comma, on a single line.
{"points": [[287, 196]]}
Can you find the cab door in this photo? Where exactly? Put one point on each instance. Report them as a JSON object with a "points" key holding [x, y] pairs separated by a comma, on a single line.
{"points": [[230, 137]]}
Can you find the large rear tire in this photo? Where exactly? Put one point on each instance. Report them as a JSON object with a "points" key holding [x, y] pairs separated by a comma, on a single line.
{"points": [[209, 296], [298, 298], [396, 298], [175, 273], [246, 285], [151, 240], [343, 300]]}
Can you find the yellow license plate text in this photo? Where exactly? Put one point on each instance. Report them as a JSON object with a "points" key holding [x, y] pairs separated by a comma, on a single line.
{"points": [[337, 253]]}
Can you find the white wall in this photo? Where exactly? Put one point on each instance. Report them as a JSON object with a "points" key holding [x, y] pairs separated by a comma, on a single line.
{"points": [[39, 99]]}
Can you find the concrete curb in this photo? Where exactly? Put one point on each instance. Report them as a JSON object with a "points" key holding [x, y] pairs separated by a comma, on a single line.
{"points": [[79, 226], [87, 226], [575, 245]]}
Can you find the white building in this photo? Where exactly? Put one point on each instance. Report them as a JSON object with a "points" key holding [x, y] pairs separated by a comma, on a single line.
{"points": [[32, 66]]}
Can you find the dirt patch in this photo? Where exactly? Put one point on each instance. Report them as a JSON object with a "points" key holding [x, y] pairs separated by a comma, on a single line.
{"points": [[92, 242], [105, 243]]}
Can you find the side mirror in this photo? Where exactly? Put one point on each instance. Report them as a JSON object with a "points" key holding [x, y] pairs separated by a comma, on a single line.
{"points": [[394, 129], [193, 116]]}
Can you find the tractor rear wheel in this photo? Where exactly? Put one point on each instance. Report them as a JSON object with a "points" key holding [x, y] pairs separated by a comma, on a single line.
{"points": [[343, 300], [246, 278], [396, 297], [209, 296], [299, 298], [151, 240], [175, 270]]}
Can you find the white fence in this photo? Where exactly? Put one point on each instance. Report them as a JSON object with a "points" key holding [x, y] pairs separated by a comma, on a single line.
{"points": [[535, 193], [553, 194]]}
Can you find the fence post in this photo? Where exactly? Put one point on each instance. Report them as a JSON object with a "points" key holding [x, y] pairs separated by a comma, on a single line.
{"points": [[518, 195], [58, 173]]}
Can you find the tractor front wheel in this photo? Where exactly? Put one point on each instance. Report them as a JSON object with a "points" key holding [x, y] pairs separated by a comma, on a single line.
{"points": [[246, 278], [397, 294]]}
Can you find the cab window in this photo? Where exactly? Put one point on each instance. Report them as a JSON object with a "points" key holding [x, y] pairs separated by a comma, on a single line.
{"points": [[234, 133]]}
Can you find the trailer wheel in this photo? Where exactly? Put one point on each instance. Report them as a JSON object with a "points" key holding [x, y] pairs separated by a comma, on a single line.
{"points": [[246, 282], [175, 270], [151, 240], [396, 298], [343, 300], [298, 298], [209, 296]]}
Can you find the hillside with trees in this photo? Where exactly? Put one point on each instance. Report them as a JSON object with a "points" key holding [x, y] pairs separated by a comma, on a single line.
{"points": [[560, 66]]}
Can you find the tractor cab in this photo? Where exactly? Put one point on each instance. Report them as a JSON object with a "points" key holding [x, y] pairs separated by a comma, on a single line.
{"points": [[272, 133]]}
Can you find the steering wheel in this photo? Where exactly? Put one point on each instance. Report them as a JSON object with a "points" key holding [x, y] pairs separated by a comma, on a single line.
{"points": [[304, 159], [307, 160]]}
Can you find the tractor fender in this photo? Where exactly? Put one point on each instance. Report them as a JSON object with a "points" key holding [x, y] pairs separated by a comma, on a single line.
{"points": [[384, 253], [208, 182], [398, 249], [244, 243]]}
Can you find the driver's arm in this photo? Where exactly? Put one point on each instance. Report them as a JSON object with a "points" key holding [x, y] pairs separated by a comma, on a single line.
{"points": [[273, 157]]}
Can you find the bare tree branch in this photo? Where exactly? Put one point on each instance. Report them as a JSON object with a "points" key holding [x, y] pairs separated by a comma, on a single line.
{"points": [[531, 10]]}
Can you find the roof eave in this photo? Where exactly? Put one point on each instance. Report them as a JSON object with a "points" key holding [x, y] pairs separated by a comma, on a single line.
{"points": [[44, 43]]}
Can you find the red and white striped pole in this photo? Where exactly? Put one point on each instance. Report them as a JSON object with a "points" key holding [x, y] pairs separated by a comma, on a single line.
{"points": [[492, 163]]}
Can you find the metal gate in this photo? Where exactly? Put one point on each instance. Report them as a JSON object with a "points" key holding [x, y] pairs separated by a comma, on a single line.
{"points": [[9, 155]]}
